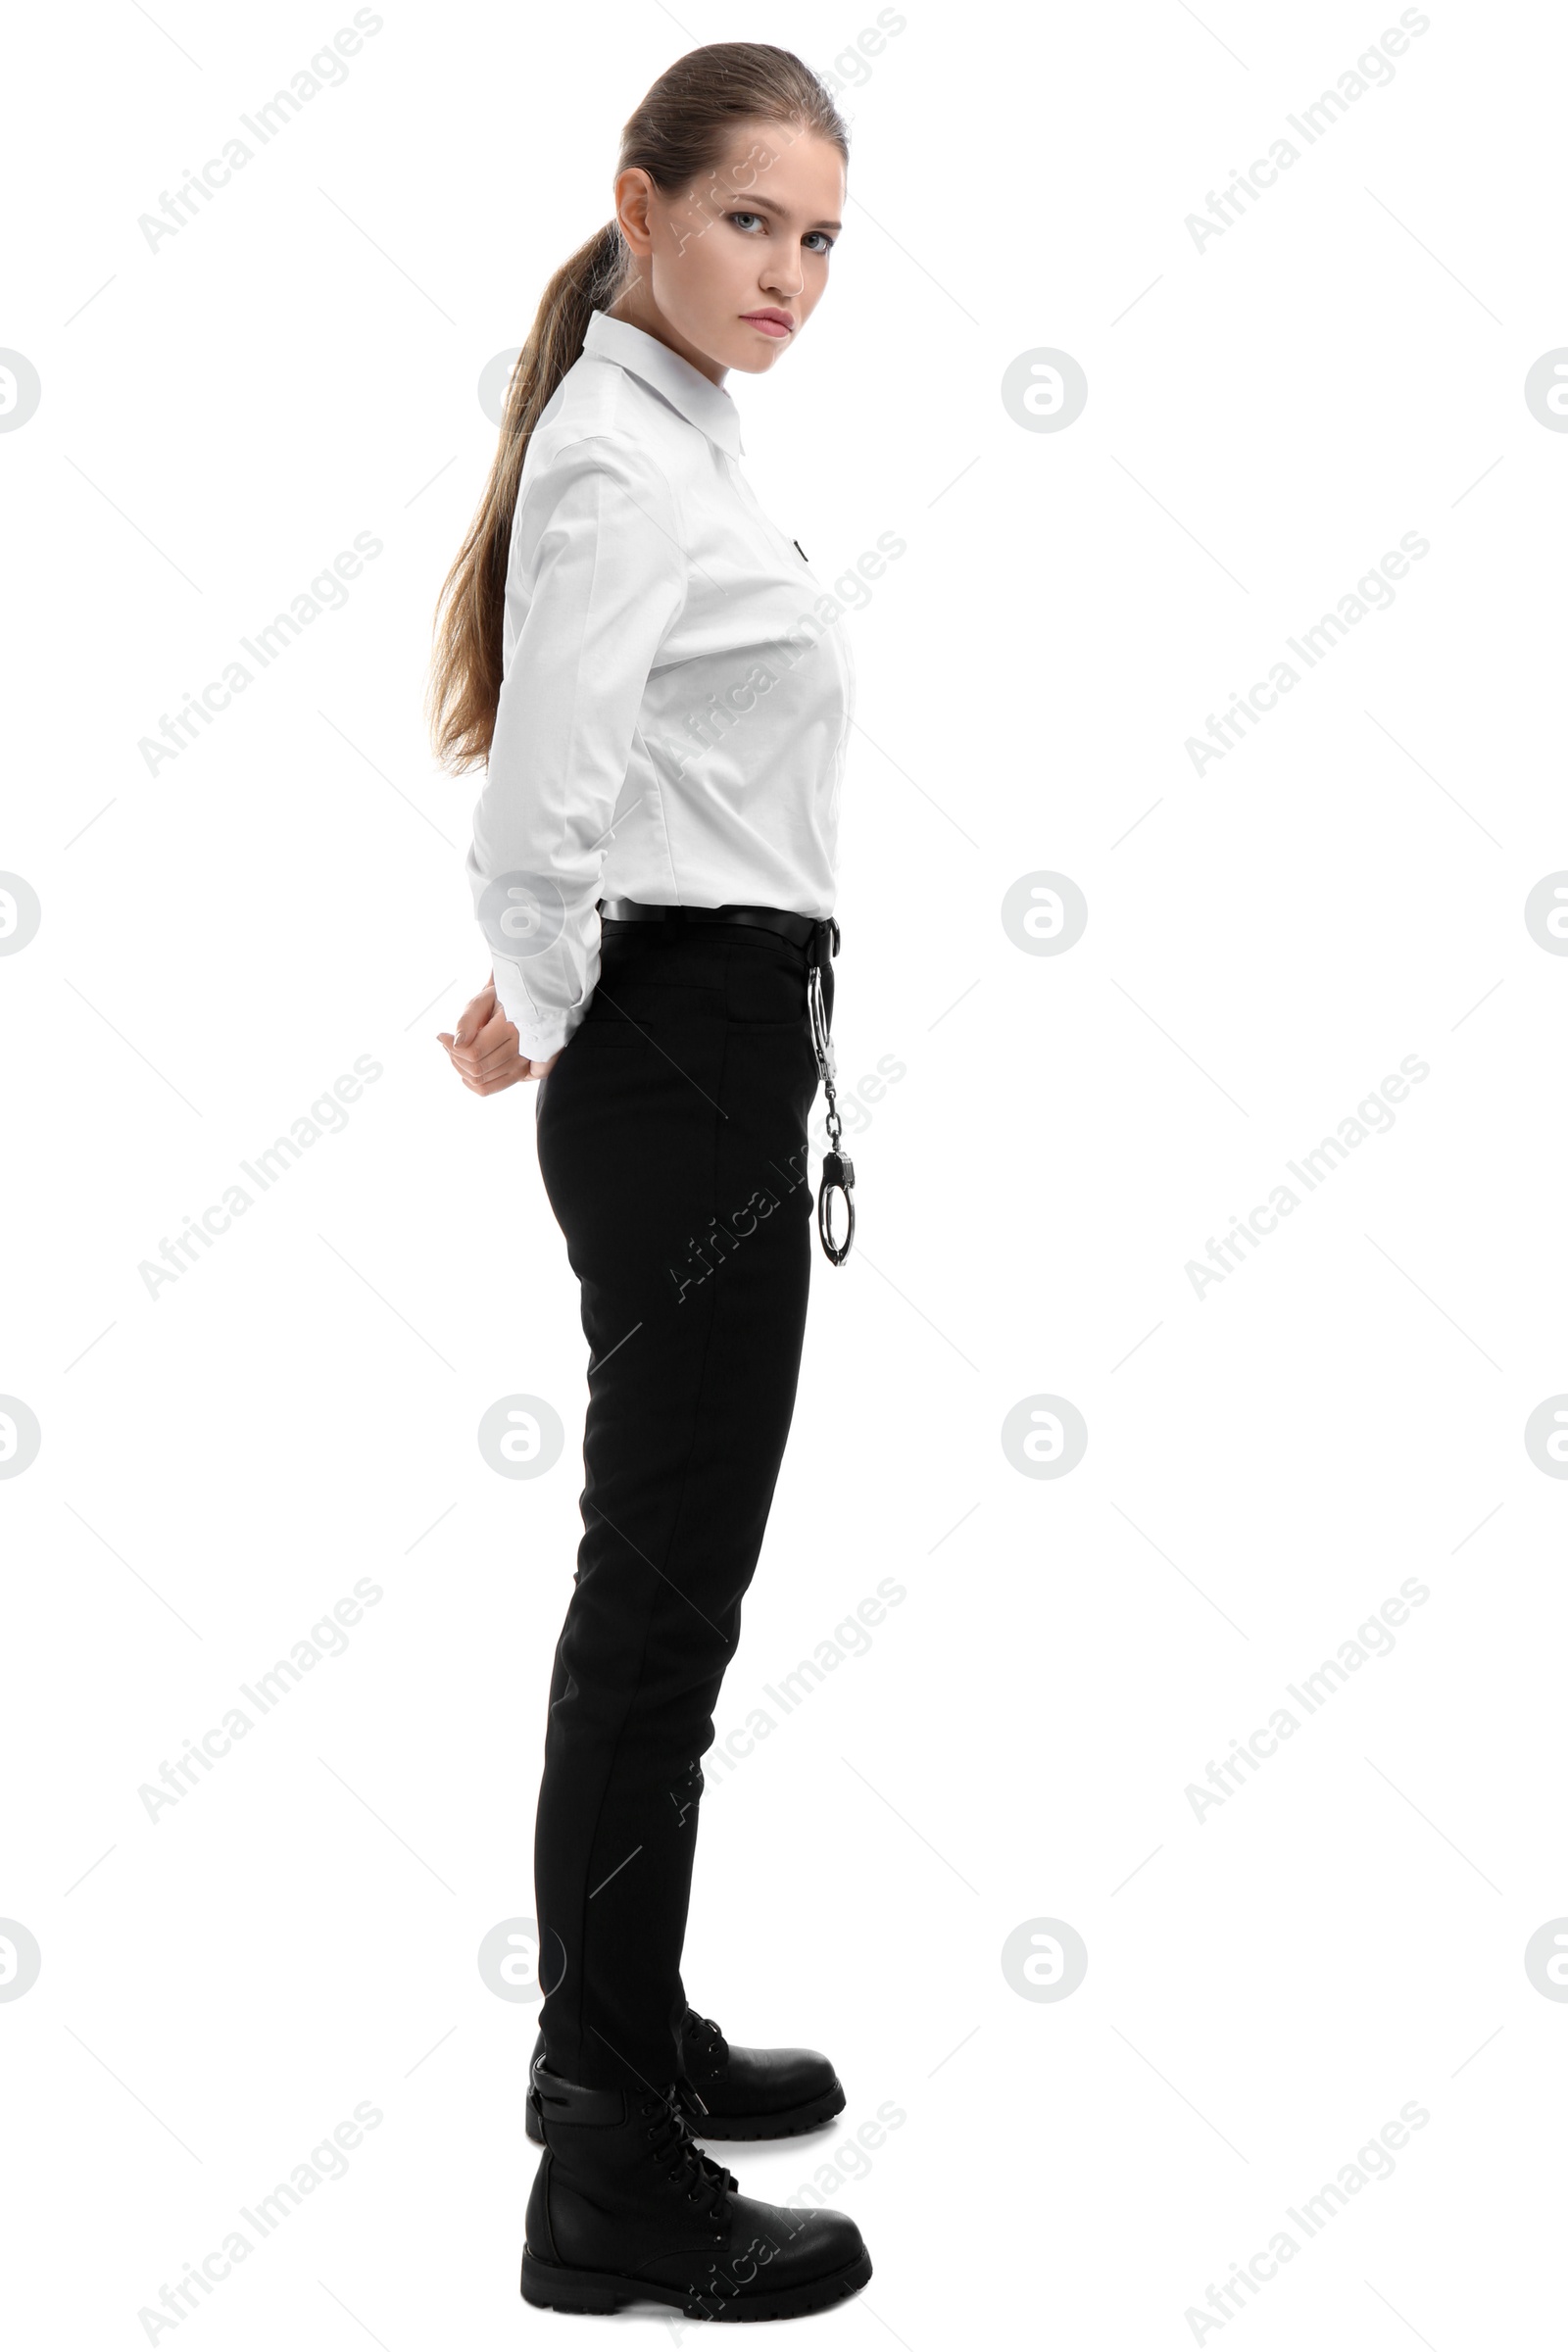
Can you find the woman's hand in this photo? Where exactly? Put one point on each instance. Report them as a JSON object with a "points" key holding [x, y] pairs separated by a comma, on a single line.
{"points": [[484, 1049]]}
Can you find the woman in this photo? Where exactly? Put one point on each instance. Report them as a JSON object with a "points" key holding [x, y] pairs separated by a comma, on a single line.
{"points": [[663, 698]]}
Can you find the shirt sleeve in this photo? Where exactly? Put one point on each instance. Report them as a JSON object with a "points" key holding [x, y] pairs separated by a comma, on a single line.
{"points": [[595, 576]]}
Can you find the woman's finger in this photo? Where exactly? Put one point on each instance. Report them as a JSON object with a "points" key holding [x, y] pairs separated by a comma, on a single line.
{"points": [[483, 1058], [487, 1074], [476, 1013]]}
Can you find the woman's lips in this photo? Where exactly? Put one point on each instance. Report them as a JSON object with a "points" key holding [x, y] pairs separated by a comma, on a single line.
{"points": [[776, 324]]}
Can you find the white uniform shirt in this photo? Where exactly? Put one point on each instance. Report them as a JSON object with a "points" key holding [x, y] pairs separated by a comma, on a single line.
{"points": [[676, 691]]}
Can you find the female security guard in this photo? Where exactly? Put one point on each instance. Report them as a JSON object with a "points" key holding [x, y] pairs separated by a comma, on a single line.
{"points": [[662, 694]]}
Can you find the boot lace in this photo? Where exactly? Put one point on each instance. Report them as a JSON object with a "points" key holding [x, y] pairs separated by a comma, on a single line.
{"points": [[705, 2184], [714, 2050]]}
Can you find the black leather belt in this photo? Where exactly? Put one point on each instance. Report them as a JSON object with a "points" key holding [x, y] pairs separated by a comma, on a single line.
{"points": [[803, 929]]}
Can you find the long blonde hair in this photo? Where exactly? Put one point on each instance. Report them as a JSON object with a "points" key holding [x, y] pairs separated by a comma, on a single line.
{"points": [[677, 136]]}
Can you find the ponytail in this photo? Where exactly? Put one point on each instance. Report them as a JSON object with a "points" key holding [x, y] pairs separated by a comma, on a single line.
{"points": [[465, 673]]}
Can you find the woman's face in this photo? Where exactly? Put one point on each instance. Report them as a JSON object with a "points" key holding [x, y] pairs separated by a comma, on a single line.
{"points": [[729, 271]]}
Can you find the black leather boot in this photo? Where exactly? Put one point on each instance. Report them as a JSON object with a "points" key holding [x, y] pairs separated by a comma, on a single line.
{"points": [[756, 2094], [625, 2208], [744, 2093]]}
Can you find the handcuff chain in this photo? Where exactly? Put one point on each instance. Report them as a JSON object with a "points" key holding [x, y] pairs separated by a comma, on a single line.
{"points": [[838, 1169]]}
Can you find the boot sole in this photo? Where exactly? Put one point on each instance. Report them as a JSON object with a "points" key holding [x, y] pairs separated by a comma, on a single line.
{"points": [[786, 2124], [551, 2286]]}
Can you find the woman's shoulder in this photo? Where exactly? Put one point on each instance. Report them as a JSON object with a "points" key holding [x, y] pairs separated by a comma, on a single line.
{"points": [[603, 418], [589, 468]]}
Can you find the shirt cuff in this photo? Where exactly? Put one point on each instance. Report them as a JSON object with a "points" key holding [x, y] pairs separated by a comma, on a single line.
{"points": [[541, 1031]]}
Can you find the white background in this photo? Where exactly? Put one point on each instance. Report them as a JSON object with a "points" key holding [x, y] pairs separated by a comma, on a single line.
{"points": [[1267, 1985]]}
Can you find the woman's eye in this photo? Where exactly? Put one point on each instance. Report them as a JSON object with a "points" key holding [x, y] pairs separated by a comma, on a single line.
{"points": [[815, 240]]}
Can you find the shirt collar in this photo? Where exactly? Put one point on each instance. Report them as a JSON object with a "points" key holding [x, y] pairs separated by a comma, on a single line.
{"points": [[702, 403]]}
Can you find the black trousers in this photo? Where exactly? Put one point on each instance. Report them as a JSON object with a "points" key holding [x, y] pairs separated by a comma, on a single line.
{"points": [[672, 1143]]}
